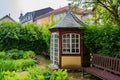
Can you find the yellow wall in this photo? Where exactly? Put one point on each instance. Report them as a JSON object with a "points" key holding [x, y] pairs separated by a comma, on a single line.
{"points": [[43, 20], [71, 61]]}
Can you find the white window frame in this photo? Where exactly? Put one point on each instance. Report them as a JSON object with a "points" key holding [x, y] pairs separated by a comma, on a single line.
{"points": [[53, 47], [71, 43]]}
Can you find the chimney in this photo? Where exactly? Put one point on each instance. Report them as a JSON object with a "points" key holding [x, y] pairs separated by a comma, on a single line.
{"points": [[9, 14]]}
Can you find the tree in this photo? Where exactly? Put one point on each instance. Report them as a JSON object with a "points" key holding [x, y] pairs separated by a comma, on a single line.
{"points": [[109, 8]]}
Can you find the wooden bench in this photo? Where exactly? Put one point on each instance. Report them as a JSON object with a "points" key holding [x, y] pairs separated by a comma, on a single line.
{"points": [[104, 67]]}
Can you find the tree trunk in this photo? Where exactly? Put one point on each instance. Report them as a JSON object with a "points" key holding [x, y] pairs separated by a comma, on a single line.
{"points": [[115, 14]]}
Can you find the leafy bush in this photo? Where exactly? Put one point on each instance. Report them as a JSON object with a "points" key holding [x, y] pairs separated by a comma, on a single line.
{"points": [[16, 54], [9, 75], [47, 74], [46, 35], [59, 75], [2, 55], [29, 54], [103, 39], [14, 65], [36, 73], [23, 37]]}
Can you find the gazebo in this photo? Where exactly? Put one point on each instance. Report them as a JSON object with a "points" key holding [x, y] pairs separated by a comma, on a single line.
{"points": [[66, 45]]}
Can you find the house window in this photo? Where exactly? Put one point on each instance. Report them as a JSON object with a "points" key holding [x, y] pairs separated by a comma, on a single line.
{"points": [[71, 44]]}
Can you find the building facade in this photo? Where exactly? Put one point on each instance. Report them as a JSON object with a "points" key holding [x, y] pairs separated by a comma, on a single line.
{"points": [[30, 16], [60, 13], [7, 18]]}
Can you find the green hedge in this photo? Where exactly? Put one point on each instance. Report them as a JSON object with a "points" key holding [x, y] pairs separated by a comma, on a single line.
{"points": [[103, 39], [22, 37]]}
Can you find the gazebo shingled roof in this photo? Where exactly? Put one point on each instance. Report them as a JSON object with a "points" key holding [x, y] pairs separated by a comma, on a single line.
{"points": [[69, 21]]}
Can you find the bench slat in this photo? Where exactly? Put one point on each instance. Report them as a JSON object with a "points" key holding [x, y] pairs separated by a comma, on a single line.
{"points": [[118, 66], [107, 63], [104, 67], [102, 74]]}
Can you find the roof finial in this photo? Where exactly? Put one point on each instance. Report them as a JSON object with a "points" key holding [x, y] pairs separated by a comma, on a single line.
{"points": [[69, 4], [69, 10]]}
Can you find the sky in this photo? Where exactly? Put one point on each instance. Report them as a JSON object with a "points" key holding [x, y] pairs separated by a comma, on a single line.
{"points": [[15, 7]]}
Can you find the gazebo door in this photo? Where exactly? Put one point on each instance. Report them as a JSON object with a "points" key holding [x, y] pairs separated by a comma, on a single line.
{"points": [[54, 50]]}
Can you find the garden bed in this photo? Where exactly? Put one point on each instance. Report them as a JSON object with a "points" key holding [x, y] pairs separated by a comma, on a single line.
{"points": [[27, 66]]}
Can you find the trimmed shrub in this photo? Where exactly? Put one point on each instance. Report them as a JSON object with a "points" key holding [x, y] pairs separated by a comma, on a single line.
{"points": [[23, 37], [103, 40]]}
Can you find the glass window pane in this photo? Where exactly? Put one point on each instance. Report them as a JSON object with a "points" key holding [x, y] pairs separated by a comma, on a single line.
{"points": [[68, 50], [56, 41], [73, 40], [77, 50], [64, 36], [77, 40], [56, 58], [68, 46], [56, 45], [73, 35], [64, 41], [64, 50], [73, 46], [56, 36], [56, 54], [68, 40], [73, 50], [77, 36], [68, 35], [56, 50], [64, 46], [77, 45]]}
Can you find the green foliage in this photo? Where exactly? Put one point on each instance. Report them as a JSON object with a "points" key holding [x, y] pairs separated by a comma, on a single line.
{"points": [[9, 75], [46, 74], [104, 10], [101, 16], [25, 77], [36, 73], [2, 55], [29, 54], [1, 75], [14, 54], [17, 54], [59, 75], [22, 37], [46, 34], [40, 72], [103, 40], [14, 65]]}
